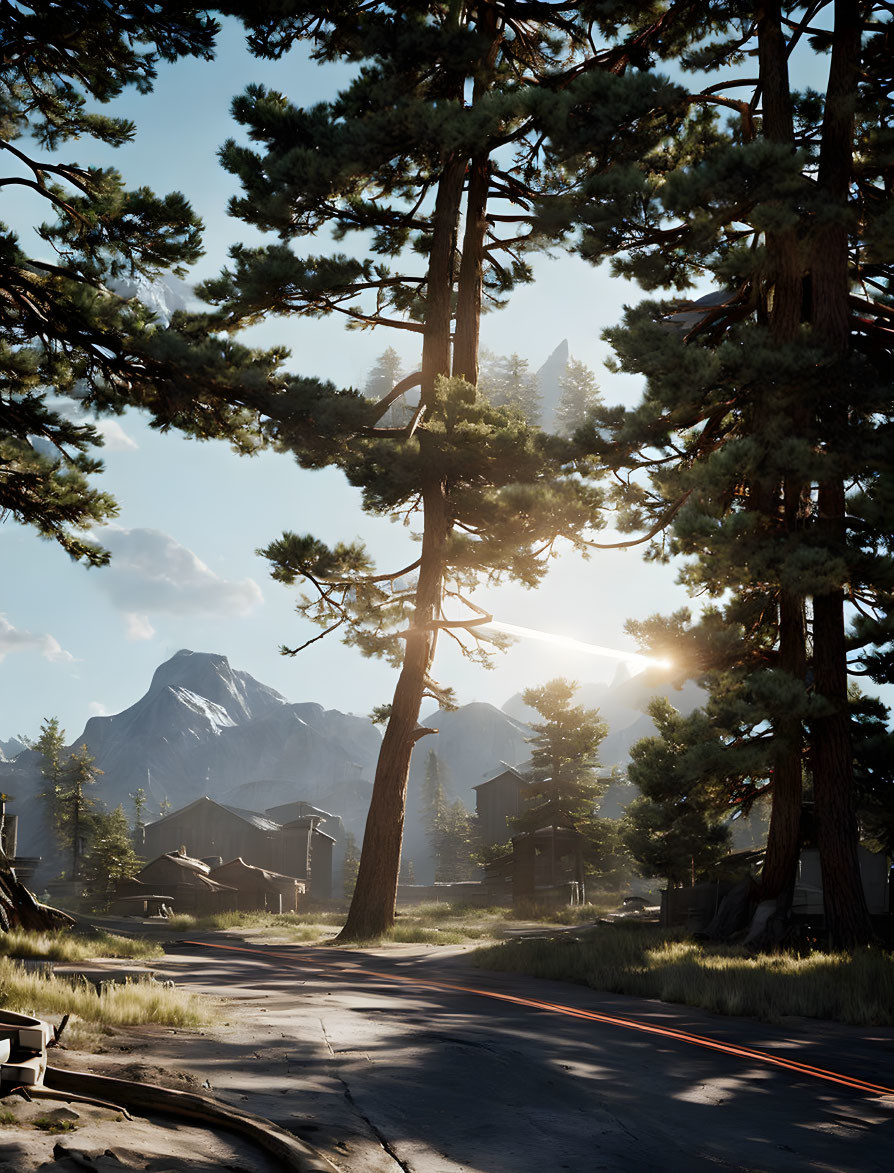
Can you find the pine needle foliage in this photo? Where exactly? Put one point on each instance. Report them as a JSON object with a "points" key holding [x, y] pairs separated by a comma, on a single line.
{"points": [[66, 341], [759, 449], [430, 161]]}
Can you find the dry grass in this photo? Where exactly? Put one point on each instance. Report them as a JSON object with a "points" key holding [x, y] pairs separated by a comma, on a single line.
{"points": [[310, 926], [34, 992], [427, 924], [430, 924], [568, 914], [857, 989], [68, 946]]}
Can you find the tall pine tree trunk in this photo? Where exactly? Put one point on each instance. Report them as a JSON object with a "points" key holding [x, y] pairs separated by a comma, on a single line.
{"points": [[784, 835], [783, 302], [847, 916], [373, 904], [471, 274]]}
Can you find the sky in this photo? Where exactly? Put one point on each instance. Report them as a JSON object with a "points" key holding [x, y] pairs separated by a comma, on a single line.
{"points": [[185, 573]]}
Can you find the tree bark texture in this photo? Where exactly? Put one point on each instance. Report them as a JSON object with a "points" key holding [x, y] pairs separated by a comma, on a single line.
{"points": [[372, 908], [782, 298], [471, 274], [847, 916], [784, 835]]}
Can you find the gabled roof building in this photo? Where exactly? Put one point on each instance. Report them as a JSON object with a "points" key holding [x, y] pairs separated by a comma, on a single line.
{"points": [[208, 829]]}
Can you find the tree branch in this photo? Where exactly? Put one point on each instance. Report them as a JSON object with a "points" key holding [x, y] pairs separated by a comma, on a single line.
{"points": [[405, 384], [659, 525], [284, 651]]}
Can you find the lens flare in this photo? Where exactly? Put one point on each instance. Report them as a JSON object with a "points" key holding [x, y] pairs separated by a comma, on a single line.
{"points": [[576, 645]]}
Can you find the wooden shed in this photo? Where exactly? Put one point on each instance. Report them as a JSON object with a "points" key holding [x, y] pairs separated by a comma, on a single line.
{"points": [[258, 889], [184, 882]]}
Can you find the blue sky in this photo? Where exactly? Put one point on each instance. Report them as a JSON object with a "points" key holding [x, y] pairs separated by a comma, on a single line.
{"points": [[185, 574]]}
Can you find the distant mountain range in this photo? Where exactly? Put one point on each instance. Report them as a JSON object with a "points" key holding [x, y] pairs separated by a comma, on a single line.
{"points": [[204, 727]]}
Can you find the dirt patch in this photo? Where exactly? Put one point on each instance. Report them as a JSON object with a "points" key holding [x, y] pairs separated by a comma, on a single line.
{"points": [[61, 1135]]}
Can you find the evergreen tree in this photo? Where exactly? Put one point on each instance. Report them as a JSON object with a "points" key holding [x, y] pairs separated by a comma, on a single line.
{"points": [[66, 342], [111, 855], [564, 789], [507, 381], [579, 395], [78, 805], [381, 382], [455, 856], [434, 810], [767, 404], [412, 153], [50, 745], [673, 840], [677, 826], [139, 806]]}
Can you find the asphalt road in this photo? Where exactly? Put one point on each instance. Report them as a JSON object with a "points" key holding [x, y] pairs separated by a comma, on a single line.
{"points": [[411, 1060]]}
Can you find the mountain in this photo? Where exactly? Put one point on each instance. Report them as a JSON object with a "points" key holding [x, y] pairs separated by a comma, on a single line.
{"points": [[548, 377], [10, 749], [473, 743], [204, 727]]}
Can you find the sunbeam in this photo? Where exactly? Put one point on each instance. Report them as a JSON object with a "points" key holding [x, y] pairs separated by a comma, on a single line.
{"points": [[576, 645]]}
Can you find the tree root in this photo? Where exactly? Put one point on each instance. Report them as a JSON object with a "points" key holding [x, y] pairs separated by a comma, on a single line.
{"points": [[293, 1155]]}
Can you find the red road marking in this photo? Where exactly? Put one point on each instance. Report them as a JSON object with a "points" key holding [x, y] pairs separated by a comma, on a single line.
{"points": [[591, 1015]]}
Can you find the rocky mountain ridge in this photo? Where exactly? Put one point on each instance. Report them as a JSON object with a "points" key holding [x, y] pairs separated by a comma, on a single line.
{"points": [[205, 728]]}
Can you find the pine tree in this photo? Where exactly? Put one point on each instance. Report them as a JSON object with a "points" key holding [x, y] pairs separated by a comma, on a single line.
{"points": [[677, 826], [111, 855], [579, 395], [384, 377], [874, 769], [455, 860], [66, 342], [767, 402], [507, 381], [78, 805], [564, 789], [139, 805], [434, 810], [412, 153], [50, 746], [674, 841]]}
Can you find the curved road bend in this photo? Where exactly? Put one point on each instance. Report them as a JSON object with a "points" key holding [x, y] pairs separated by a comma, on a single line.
{"points": [[409, 1059]]}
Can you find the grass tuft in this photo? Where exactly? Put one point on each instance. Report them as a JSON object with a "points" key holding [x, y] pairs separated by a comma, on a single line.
{"points": [[47, 1124], [857, 989], [143, 1001], [310, 926], [65, 945]]}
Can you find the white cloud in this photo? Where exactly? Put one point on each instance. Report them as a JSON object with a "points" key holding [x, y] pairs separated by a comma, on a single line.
{"points": [[113, 434], [138, 626], [14, 640], [151, 573], [97, 709], [116, 439]]}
